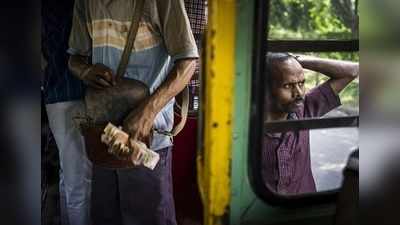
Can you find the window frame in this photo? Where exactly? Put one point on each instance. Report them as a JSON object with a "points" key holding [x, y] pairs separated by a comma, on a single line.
{"points": [[261, 45]]}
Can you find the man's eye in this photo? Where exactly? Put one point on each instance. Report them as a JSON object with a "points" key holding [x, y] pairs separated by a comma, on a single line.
{"points": [[301, 84], [286, 86]]}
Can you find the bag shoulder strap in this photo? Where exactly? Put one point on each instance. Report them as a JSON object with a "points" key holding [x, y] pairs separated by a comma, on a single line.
{"points": [[184, 112], [138, 11]]}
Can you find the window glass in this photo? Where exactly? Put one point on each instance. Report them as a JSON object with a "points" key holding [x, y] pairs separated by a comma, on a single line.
{"points": [[306, 161], [309, 19], [309, 85], [330, 149]]}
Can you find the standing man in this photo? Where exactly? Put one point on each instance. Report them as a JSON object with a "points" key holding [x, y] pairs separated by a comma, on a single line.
{"points": [[163, 57], [62, 93], [286, 165]]}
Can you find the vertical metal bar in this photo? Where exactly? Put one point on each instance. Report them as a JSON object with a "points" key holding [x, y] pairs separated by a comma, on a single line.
{"points": [[213, 162]]}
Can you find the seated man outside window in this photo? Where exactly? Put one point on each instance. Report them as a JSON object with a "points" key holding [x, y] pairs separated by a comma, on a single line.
{"points": [[286, 164]]}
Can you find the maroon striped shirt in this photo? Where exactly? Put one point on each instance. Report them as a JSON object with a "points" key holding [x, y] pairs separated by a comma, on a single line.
{"points": [[286, 164]]}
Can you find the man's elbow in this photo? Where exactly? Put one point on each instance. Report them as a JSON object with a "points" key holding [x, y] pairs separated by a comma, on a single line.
{"points": [[73, 61], [76, 64], [70, 62], [186, 66], [356, 71]]}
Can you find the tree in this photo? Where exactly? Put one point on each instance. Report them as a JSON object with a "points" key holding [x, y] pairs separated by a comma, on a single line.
{"points": [[309, 19]]}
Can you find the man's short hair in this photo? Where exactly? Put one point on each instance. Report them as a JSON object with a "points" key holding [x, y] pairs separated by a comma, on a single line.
{"points": [[271, 59]]}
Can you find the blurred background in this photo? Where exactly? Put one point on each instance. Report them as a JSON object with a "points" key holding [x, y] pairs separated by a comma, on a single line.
{"points": [[379, 111], [20, 112]]}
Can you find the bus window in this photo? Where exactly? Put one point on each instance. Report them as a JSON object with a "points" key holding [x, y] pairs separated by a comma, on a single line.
{"points": [[310, 103]]}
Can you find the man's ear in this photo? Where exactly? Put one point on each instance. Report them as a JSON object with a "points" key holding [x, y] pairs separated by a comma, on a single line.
{"points": [[268, 98]]}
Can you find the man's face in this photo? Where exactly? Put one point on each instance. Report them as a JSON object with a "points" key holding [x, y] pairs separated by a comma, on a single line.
{"points": [[287, 89]]}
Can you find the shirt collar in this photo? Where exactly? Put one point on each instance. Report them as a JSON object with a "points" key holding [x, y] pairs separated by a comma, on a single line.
{"points": [[291, 116]]}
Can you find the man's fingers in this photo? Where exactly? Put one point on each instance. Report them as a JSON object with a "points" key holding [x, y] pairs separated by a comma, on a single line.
{"points": [[135, 156], [114, 80], [111, 77], [100, 76], [107, 75], [94, 85], [140, 136], [148, 140], [104, 72], [101, 81]]}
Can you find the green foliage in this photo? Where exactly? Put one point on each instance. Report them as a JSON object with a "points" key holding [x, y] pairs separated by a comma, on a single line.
{"points": [[309, 19], [349, 96]]}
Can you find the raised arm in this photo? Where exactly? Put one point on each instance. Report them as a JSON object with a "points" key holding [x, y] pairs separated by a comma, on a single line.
{"points": [[341, 72]]}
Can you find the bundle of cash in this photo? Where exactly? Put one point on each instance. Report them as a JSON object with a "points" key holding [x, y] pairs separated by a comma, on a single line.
{"points": [[117, 141]]}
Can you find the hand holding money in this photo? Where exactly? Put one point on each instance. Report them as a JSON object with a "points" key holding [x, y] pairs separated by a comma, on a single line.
{"points": [[120, 145]]}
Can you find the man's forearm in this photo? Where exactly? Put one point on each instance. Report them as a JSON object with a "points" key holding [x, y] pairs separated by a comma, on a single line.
{"points": [[78, 65], [176, 81], [332, 68], [340, 72]]}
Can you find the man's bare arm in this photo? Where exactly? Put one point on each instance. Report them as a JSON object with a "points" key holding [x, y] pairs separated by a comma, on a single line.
{"points": [[340, 72], [77, 65], [176, 81], [139, 123]]}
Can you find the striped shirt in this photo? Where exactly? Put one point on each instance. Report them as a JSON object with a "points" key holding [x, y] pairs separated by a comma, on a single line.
{"points": [[100, 29], [286, 163]]}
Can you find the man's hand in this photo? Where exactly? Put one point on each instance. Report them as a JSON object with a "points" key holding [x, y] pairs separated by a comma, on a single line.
{"points": [[138, 124], [137, 154], [98, 76], [122, 146]]}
